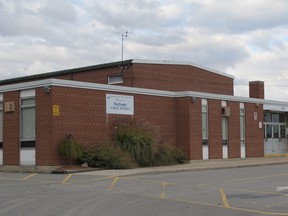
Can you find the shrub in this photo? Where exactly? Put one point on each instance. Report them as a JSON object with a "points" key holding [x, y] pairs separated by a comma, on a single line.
{"points": [[163, 156], [178, 155], [107, 156], [70, 149], [142, 141], [136, 138], [168, 155]]}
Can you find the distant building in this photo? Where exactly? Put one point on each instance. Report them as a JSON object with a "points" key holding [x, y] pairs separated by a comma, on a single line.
{"points": [[193, 106]]}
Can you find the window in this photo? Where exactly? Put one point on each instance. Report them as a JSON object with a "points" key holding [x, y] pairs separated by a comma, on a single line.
{"points": [[1, 125], [224, 130], [274, 117], [267, 117], [224, 126], [242, 123], [204, 122], [27, 123], [114, 79], [274, 125]]}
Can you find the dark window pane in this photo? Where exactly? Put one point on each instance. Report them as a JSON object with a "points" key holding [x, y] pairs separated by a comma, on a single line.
{"points": [[267, 117], [28, 144], [205, 142]]}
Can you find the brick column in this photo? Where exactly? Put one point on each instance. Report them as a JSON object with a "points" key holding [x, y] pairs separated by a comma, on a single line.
{"points": [[215, 129], [234, 130], [254, 134], [189, 127], [11, 136]]}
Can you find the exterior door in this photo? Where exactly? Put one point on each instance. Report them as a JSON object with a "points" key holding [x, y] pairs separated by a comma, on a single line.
{"points": [[275, 140]]}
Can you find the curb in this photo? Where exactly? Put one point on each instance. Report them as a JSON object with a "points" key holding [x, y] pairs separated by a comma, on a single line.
{"points": [[198, 169], [75, 171]]}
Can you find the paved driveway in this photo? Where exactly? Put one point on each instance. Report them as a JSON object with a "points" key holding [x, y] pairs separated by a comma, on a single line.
{"points": [[240, 191]]}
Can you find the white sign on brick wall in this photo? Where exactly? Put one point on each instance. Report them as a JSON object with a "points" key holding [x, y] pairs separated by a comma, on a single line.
{"points": [[119, 104]]}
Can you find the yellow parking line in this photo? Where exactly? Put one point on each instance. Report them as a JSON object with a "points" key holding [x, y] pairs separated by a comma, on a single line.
{"points": [[224, 198], [113, 183], [66, 178], [29, 176], [231, 208], [162, 195]]}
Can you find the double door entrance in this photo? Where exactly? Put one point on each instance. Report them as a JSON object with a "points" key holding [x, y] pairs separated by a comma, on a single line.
{"points": [[275, 138]]}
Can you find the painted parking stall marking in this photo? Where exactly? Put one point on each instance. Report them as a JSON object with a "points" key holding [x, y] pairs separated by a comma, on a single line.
{"points": [[281, 188]]}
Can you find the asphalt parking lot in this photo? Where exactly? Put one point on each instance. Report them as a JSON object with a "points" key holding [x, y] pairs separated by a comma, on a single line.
{"points": [[259, 190]]}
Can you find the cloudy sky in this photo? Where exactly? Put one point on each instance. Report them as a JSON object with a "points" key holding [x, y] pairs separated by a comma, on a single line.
{"points": [[245, 38]]}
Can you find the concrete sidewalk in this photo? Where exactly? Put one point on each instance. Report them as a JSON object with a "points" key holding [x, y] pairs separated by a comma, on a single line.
{"points": [[194, 165]]}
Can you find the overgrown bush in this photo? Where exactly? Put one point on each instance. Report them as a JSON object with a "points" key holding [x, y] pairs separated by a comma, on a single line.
{"points": [[107, 156], [70, 149], [136, 138], [178, 155], [142, 141], [168, 155], [163, 156], [134, 143]]}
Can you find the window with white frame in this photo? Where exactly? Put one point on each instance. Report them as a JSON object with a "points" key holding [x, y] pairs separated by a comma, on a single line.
{"points": [[204, 122], [114, 79], [27, 123], [224, 126], [242, 124]]}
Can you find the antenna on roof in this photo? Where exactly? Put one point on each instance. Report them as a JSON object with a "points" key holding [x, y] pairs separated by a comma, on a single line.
{"points": [[124, 35]]}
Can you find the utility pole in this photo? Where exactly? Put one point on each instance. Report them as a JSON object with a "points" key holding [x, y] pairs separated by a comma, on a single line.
{"points": [[124, 35]]}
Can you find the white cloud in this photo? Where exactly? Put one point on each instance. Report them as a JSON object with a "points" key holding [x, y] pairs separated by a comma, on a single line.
{"points": [[247, 38]]}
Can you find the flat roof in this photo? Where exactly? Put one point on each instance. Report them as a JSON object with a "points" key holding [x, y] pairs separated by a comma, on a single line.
{"points": [[107, 65]]}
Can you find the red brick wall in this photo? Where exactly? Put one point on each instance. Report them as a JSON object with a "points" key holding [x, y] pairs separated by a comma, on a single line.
{"points": [[162, 77], [11, 134], [254, 134], [101, 76], [44, 147], [159, 111], [234, 130], [215, 129], [189, 127], [195, 129], [156, 76], [256, 89], [180, 78], [83, 114], [183, 124]]}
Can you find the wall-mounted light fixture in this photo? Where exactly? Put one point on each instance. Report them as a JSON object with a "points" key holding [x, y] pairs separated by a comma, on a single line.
{"points": [[193, 99], [47, 89]]}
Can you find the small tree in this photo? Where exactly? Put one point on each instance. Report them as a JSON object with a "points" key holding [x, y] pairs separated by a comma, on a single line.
{"points": [[70, 149]]}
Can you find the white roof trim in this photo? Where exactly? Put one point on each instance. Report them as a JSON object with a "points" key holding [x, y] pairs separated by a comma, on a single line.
{"points": [[181, 63], [276, 107], [141, 91]]}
